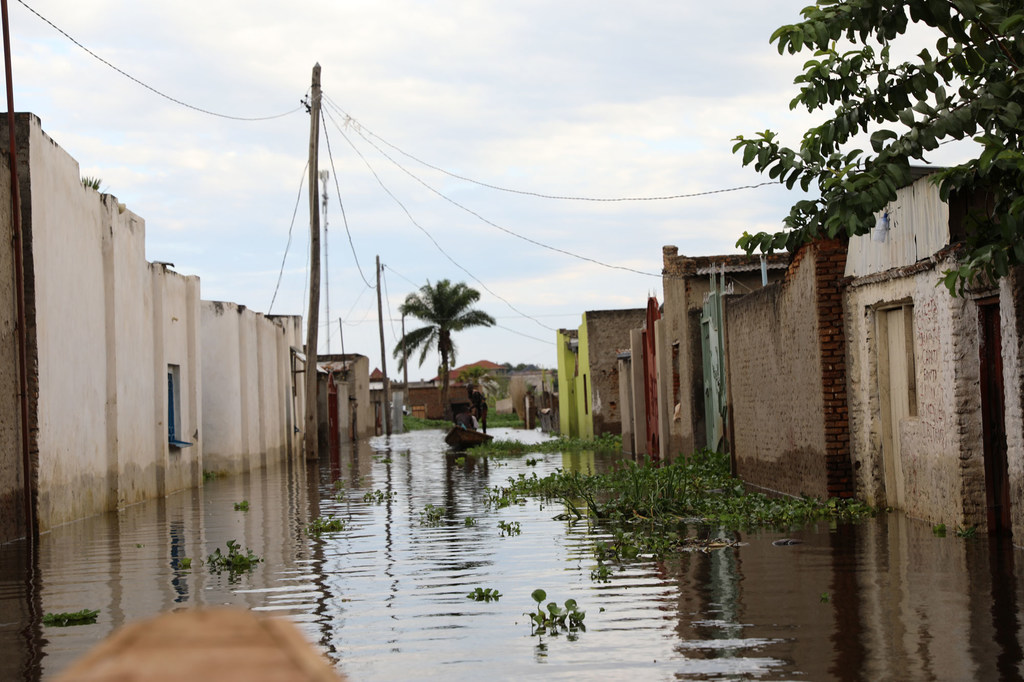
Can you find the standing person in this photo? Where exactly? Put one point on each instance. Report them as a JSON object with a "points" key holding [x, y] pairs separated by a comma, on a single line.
{"points": [[479, 407]]}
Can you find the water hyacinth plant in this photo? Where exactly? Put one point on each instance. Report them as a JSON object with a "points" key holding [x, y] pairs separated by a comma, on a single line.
{"points": [[60, 620], [553, 618]]}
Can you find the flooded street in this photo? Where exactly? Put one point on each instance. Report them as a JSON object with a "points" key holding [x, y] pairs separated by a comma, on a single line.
{"points": [[386, 597]]}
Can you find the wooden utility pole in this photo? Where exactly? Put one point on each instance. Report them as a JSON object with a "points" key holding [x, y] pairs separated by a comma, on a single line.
{"points": [[313, 320], [383, 358]]}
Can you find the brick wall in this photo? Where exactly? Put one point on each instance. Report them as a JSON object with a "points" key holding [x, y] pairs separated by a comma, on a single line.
{"points": [[785, 355], [829, 265]]}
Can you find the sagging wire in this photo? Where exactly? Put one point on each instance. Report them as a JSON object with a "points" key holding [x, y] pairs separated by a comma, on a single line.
{"points": [[409, 215], [149, 87], [287, 245]]}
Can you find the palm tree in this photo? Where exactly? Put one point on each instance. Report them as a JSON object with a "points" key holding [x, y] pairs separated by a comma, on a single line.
{"points": [[445, 308]]}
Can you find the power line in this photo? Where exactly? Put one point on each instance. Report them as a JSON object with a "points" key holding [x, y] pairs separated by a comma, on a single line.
{"points": [[387, 299], [344, 219], [148, 87], [495, 225], [508, 329], [289, 242], [361, 128], [423, 229]]}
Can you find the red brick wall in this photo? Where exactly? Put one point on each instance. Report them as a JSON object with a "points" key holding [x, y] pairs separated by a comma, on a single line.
{"points": [[830, 263]]}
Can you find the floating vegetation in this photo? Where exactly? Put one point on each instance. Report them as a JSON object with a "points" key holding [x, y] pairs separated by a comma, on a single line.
{"points": [[379, 496], [650, 511], [532, 461], [325, 524], [499, 498], [211, 475], [509, 528], [185, 563], [60, 620], [484, 594], [459, 461], [513, 448], [939, 530], [695, 489], [470, 521], [968, 532], [432, 515], [555, 618], [242, 506], [235, 561]]}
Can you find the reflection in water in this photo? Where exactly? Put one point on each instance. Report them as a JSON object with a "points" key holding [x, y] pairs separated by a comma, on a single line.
{"points": [[386, 597]]}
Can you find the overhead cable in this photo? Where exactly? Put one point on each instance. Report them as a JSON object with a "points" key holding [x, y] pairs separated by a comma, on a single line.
{"points": [[288, 244], [423, 229], [363, 129], [149, 87], [481, 218], [344, 219]]}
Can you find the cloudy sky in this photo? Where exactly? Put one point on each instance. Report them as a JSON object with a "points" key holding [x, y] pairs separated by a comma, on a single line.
{"points": [[594, 99]]}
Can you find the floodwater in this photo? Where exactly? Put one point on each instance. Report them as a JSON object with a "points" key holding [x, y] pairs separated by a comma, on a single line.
{"points": [[385, 598]]}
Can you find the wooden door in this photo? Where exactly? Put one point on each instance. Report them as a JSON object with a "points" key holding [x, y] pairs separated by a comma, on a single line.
{"points": [[997, 484], [897, 389]]}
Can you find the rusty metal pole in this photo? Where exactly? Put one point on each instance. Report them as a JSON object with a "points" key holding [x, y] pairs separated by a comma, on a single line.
{"points": [[19, 286]]}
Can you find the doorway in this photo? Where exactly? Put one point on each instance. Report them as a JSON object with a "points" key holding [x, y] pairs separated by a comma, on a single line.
{"points": [[897, 391], [993, 425]]}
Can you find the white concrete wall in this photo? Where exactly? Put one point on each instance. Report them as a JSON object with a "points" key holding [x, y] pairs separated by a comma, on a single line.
{"points": [[249, 408], [108, 325], [106, 329]]}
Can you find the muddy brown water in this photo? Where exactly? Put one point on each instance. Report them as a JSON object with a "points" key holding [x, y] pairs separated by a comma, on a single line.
{"points": [[385, 599]]}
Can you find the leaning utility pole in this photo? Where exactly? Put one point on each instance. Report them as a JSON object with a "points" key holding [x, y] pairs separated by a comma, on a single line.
{"points": [[383, 358], [313, 321]]}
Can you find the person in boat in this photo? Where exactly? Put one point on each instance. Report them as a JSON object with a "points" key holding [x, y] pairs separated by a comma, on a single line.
{"points": [[466, 420], [476, 398]]}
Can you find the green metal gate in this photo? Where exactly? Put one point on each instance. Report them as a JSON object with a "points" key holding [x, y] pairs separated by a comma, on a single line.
{"points": [[712, 341]]}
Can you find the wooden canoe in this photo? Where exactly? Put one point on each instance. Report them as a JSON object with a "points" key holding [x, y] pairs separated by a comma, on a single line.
{"points": [[204, 644], [459, 438]]}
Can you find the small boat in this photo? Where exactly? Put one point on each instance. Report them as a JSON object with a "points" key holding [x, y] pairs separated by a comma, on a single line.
{"points": [[460, 439]]}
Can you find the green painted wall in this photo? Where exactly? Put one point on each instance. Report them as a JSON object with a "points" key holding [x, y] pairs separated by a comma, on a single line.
{"points": [[584, 386], [567, 419]]}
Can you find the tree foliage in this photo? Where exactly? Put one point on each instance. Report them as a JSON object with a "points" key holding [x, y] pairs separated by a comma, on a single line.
{"points": [[971, 86], [445, 308]]}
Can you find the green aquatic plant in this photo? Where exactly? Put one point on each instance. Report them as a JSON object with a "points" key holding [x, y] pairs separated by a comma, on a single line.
{"points": [[532, 461], [697, 488], [459, 461], [83, 617], [242, 506], [184, 563], [484, 594], [432, 515], [378, 496], [509, 528], [235, 561], [553, 618], [939, 530], [325, 524], [966, 532], [470, 521]]}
